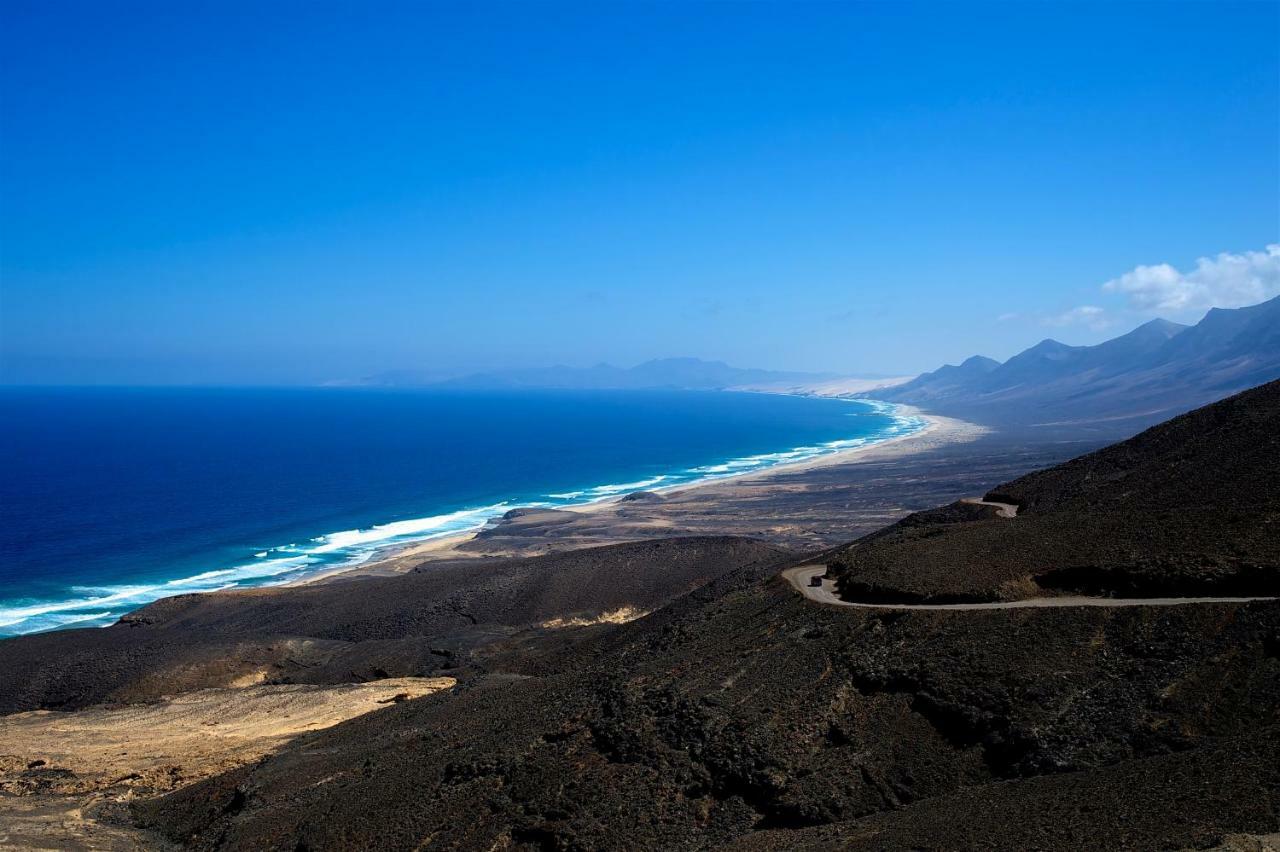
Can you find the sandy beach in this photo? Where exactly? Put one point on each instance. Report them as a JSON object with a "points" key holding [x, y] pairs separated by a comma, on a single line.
{"points": [[779, 504]]}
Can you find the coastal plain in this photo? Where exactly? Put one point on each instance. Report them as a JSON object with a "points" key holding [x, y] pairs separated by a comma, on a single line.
{"points": [[808, 505]]}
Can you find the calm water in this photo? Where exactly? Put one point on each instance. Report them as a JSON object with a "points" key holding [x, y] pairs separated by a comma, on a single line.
{"points": [[114, 497]]}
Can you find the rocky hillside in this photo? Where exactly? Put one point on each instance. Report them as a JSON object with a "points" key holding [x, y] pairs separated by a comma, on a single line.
{"points": [[743, 714], [1190, 507], [442, 620]]}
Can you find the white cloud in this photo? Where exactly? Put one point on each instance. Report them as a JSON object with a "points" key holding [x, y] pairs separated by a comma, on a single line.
{"points": [[1226, 281], [1091, 315]]}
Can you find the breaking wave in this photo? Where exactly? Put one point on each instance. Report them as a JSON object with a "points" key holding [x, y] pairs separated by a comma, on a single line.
{"points": [[100, 606]]}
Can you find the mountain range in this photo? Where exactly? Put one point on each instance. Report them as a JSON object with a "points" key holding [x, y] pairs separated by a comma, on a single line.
{"points": [[669, 373], [1157, 370]]}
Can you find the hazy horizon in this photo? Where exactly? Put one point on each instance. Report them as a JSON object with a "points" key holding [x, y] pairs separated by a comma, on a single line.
{"points": [[426, 376], [302, 194]]}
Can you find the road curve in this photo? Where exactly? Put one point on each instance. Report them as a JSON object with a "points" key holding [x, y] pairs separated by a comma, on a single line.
{"points": [[800, 576], [1004, 510]]}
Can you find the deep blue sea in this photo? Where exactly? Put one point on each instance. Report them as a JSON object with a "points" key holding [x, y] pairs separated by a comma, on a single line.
{"points": [[112, 498]]}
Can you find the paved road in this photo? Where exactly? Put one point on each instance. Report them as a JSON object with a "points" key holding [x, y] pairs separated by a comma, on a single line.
{"points": [[800, 576]]}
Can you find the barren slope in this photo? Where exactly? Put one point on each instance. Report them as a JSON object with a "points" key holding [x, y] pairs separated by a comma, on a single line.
{"points": [[1189, 507]]}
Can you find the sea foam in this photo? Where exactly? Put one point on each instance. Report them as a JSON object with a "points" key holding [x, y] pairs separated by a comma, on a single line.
{"points": [[101, 606]]}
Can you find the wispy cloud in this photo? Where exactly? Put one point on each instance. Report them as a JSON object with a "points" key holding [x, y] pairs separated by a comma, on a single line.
{"points": [[1092, 316], [1226, 281]]}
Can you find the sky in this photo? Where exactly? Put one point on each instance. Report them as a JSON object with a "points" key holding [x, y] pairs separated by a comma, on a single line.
{"points": [[289, 192]]}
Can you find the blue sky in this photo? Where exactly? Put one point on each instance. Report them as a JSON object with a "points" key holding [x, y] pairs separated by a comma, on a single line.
{"points": [[290, 192]]}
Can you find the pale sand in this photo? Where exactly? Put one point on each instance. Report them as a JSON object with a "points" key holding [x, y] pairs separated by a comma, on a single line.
{"points": [[191, 735], [97, 759], [845, 387], [938, 432]]}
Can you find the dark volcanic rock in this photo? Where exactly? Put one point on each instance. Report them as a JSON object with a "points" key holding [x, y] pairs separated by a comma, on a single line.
{"points": [[642, 497], [750, 711], [1189, 507], [355, 630], [1186, 800]]}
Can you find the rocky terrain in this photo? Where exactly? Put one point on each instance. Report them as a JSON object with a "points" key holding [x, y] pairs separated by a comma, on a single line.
{"points": [[1189, 507], [66, 777], [416, 625], [743, 713], [679, 694]]}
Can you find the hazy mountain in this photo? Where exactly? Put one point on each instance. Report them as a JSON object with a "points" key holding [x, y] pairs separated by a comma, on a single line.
{"points": [[678, 373], [1157, 370], [948, 380]]}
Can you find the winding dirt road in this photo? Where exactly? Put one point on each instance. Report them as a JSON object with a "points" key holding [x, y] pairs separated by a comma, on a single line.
{"points": [[800, 577], [1004, 510]]}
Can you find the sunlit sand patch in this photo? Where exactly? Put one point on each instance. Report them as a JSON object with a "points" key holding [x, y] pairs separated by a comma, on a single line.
{"points": [[171, 743], [247, 680], [618, 616], [59, 772]]}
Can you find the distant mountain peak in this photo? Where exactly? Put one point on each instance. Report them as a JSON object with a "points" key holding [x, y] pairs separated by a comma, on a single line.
{"points": [[673, 373], [1160, 326], [1157, 369], [1049, 345], [979, 362], [682, 362]]}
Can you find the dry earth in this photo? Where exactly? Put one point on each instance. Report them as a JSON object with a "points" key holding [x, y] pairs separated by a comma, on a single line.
{"points": [[64, 776]]}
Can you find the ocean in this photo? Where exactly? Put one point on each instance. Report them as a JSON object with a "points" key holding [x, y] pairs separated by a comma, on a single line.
{"points": [[112, 498]]}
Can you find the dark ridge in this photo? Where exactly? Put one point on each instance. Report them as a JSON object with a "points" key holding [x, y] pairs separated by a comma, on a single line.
{"points": [[859, 592], [1189, 507], [1118, 807], [753, 712], [1241, 581], [440, 620]]}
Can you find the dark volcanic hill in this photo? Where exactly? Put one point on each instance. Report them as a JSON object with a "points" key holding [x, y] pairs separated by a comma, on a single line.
{"points": [[423, 623], [746, 715], [1155, 371], [1189, 507]]}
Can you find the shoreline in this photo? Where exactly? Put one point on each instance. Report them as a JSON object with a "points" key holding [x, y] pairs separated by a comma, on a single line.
{"points": [[402, 555], [379, 559], [936, 430]]}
